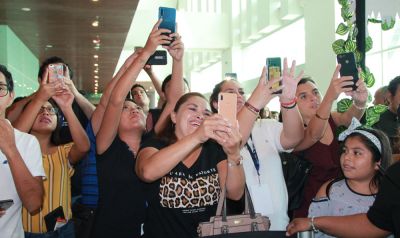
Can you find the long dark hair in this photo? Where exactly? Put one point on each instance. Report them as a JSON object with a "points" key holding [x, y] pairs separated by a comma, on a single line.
{"points": [[168, 133], [384, 157]]}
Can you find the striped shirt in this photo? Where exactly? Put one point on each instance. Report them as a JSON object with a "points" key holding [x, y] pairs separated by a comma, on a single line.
{"points": [[57, 189]]}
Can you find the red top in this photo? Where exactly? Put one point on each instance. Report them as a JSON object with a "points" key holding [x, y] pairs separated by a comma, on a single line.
{"points": [[325, 160]]}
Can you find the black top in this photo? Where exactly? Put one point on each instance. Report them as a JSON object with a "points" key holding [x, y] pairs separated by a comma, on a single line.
{"points": [[121, 205], [385, 212], [65, 134], [389, 123], [185, 196]]}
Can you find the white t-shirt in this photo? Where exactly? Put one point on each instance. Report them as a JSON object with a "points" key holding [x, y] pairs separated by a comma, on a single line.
{"points": [[269, 194], [29, 148]]}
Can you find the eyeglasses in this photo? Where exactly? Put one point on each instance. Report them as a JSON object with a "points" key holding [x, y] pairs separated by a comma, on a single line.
{"points": [[50, 110], [3, 90]]}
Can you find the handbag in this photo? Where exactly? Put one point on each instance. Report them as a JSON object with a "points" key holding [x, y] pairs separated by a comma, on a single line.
{"points": [[223, 224], [296, 170]]}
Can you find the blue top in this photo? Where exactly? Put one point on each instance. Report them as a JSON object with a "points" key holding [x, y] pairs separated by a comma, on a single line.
{"points": [[90, 187]]}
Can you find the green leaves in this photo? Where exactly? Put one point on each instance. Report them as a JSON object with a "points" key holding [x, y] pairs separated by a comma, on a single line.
{"points": [[342, 29], [344, 3], [346, 13], [373, 114], [344, 104], [338, 46], [350, 46], [388, 25], [368, 43], [368, 77]]}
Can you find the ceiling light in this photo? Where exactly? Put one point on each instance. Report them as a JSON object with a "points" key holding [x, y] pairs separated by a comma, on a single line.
{"points": [[95, 56], [96, 81], [96, 41], [96, 77], [95, 23], [95, 0], [96, 65], [96, 71], [49, 46], [25, 9], [96, 84]]}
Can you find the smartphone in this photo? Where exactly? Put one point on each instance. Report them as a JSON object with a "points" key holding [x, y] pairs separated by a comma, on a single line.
{"points": [[51, 218], [169, 19], [6, 204], [227, 106], [158, 58], [230, 76], [349, 67], [56, 72], [274, 69]]}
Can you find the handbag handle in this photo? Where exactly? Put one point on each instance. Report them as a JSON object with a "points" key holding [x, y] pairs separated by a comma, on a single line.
{"points": [[249, 207]]}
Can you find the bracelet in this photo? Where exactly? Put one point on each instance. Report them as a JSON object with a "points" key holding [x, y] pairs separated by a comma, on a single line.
{"points": [[359, 108], [314, 229], [294, 100], [252, 108], [321, 118], [289, 107], [232, 163]]}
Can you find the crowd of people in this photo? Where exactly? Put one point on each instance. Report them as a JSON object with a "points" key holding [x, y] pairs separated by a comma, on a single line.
{"points": [[159, 172]]}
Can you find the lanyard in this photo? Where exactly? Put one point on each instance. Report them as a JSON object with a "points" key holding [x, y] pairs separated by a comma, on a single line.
{"points": [[254, 156]]}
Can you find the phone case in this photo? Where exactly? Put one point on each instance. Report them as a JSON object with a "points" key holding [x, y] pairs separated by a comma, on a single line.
{"points": [[56, 72], [158, 58], [6, 204], [349, 67], [274, 69], [227, 104], [169, 19]]}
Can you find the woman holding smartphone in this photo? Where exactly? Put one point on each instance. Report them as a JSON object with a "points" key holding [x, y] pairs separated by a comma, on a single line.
{"points": [[121, 206], [186, 166], [263, 139], [41, 118], [320, 145]]}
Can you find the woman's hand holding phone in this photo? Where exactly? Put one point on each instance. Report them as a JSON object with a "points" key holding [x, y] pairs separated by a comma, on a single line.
{"points": [[338, 85], [176, 48], [360, 95], [156, 38]]}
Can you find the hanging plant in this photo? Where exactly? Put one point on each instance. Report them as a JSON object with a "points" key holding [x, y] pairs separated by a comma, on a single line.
{"points": [[340, 46]]}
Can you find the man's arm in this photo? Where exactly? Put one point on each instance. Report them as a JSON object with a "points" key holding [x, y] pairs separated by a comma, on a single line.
{"points": [[16, 108], [29, 188]]}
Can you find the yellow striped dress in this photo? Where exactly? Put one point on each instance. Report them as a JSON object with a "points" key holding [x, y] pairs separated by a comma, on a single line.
{"points": [[57, 189]]}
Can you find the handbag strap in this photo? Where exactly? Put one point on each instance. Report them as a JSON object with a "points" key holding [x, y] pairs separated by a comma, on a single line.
{"points": [[249, 207]]}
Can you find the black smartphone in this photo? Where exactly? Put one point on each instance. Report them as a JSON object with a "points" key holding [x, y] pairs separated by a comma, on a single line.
{"points": [[274, 69], [349, 67], [51, 218], [169, 19], [158, 58], [6, 204]]}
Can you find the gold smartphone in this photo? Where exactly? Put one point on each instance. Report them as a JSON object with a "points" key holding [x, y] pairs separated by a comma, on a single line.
{"points": [[227, 104]]}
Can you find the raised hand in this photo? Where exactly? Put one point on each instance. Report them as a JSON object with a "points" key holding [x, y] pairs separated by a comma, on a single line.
{"points": [[289, 81], [176, 48], [230, 140], [157, 38], [7, 137], [47, 89], [264, 91], [360, 95], [64, 99], [338, 85], [211, 128]]}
